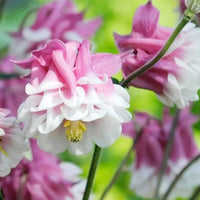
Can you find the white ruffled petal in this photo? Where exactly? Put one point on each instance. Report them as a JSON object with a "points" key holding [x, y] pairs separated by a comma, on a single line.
{"points": [[82, 147], [74, 114], [53, 142], [104, 131], [74, 101], [49, 99], [53, 119]]}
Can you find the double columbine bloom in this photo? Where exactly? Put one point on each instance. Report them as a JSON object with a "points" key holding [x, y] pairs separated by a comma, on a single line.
{"points": [[150, 151], [176, 77], [55, 20], [72, 101], [43, 178], [12, 142]]}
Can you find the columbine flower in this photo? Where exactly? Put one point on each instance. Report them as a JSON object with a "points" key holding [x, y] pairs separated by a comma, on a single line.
{"points": [[12, 142], [150, 150], [193, 5], [43, 178], [12, 91], [176, 77], [55, 20], [72, 100]]}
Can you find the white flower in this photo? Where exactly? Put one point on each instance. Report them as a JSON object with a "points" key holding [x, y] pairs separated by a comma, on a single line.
{"points": [[72, 101], [12, 143], [193, 5]]}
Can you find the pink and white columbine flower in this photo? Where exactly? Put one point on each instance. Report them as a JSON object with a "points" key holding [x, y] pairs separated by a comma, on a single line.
{"points": [[176, 77], [12, 142], [55, 20], [12, 91], [43, 178], [71, 98], [150, 150]]}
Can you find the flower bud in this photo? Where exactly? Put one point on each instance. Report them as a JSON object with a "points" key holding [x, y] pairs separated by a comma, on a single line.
{"points": [[193, 5]]}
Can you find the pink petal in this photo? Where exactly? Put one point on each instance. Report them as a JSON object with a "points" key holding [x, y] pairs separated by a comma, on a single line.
{"points": [[44, 56], [83, 62], [146, 19], [64, 71], [104, 63]]}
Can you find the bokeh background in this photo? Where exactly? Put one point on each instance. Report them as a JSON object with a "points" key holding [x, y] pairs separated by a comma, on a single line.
{"points": [[117, 17]]}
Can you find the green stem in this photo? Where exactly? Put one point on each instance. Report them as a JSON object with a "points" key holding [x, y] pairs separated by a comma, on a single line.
{"points": [[195, 194], [117, 173], [179, 176], [21, 26], [184, 20], [119, 169], [166, 154], [2, 6], [9, 76], [92, 171], [1, 195]]}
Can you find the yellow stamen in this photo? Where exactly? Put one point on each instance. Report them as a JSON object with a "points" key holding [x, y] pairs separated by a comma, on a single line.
{"points": [[75, 130], [3, 151]]}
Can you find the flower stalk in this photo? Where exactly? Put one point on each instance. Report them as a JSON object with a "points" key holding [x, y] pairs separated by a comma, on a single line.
{"points": [[8, 76], [195, 194], [117, 173], [2, 6], [179, 176], [120, 167], [92, 171], [166, 154]]}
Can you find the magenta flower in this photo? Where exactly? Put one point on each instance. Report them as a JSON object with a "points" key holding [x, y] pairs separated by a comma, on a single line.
{"points": [[12, 142], [43, 178], [176, 77], [12, 91], [55, 20], [70, 98], [150, 150]]}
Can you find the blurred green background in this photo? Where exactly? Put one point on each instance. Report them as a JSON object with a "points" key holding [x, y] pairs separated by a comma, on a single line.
{"points": [[117, 17]]}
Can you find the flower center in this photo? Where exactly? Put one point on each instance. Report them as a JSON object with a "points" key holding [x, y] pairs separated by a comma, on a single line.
{"points": [[2, 150], [75, 130]]}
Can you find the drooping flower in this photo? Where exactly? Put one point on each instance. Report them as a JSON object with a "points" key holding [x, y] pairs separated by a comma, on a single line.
{"points": [[176, 77], [72, 101], [182, 8], [12, 91], [149, 152], [193, 5], [12, 142], [43, 178], [55, 20]]}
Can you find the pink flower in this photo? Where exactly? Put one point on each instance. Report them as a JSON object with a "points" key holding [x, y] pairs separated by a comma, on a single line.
{"points": [[150, 150], [12, 142], [43, 178], [55, 20], [176, 77], [71, 98], [12, 91]]}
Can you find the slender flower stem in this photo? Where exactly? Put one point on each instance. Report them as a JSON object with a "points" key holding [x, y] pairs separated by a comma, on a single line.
{"points": [[179, 176], [21, 26], [184, 20], [9, 76], [195, 194], [166, 153], [2, 6], [1, 195], [119, 169], [92, 171], [117, 173]]}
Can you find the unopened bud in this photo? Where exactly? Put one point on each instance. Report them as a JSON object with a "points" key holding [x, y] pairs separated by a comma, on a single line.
{"points": [[193, 5]]}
